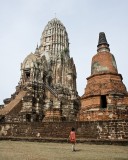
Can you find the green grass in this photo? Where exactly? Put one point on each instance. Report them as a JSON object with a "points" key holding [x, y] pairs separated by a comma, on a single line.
{"points": [[17, 150]]}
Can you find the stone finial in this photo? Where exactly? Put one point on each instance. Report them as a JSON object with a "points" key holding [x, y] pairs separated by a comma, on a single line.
{"points": [[37, 46], [37, 49], [102, 39]]}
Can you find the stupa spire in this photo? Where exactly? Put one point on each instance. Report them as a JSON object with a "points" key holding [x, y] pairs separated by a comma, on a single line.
{"points": [[102, 43]]}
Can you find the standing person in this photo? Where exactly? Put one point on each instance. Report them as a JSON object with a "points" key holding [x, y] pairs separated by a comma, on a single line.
{"points": [[72, 137]]}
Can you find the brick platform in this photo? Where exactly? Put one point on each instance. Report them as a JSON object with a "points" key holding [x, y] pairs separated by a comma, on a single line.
{"points": [[115, 131]]}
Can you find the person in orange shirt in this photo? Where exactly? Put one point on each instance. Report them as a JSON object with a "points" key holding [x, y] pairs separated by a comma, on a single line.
{"points": [[72, 137]]}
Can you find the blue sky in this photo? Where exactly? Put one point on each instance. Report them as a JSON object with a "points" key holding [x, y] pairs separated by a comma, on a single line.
{"points": [[22, 23]]}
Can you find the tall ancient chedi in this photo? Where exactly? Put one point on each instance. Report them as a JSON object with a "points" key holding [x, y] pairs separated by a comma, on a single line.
{"points": [[47, 88], [105, 94]]}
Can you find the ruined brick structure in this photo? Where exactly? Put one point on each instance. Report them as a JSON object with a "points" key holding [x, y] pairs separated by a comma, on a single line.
{"points": [[47, 87], [46, 104], [105, 94], [94, 130]]}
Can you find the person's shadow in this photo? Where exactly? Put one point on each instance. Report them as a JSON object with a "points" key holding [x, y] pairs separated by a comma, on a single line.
{"points": [[78, 150]]}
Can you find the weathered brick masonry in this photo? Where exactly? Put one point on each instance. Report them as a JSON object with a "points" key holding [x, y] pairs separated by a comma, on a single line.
{"points": [[46, 103], [113, 130], [105, 95]]}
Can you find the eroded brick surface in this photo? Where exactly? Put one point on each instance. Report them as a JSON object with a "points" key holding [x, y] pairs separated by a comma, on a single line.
{"points": [[105, 95], [116, 129]]}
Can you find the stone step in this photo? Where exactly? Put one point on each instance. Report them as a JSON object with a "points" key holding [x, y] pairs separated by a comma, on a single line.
{"points": [[13, 103]]}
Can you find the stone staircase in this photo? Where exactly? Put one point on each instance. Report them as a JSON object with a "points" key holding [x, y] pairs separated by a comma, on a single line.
{"points": [[13, 104], [51, 89]]}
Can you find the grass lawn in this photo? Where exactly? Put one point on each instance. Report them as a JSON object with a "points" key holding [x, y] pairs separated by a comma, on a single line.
{"points": [[19, 150]]}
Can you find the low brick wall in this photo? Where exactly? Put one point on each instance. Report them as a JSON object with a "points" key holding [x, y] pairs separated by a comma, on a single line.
{"points": [[103, 130]]}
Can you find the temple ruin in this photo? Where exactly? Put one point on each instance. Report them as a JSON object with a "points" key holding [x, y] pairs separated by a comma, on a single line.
{"points": [[47, 87], [105, 95]]}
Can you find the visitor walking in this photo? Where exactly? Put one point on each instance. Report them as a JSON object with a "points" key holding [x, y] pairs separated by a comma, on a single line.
{"points": [[72, 137]]}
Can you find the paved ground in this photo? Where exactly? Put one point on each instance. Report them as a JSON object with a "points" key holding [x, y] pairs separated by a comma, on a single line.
{"points": [[17, 150]]}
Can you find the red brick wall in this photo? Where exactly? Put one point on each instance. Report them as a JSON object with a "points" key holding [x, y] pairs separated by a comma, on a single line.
{"points": [[102, 84], [104, 59], [116, 129], [90, 101]]}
